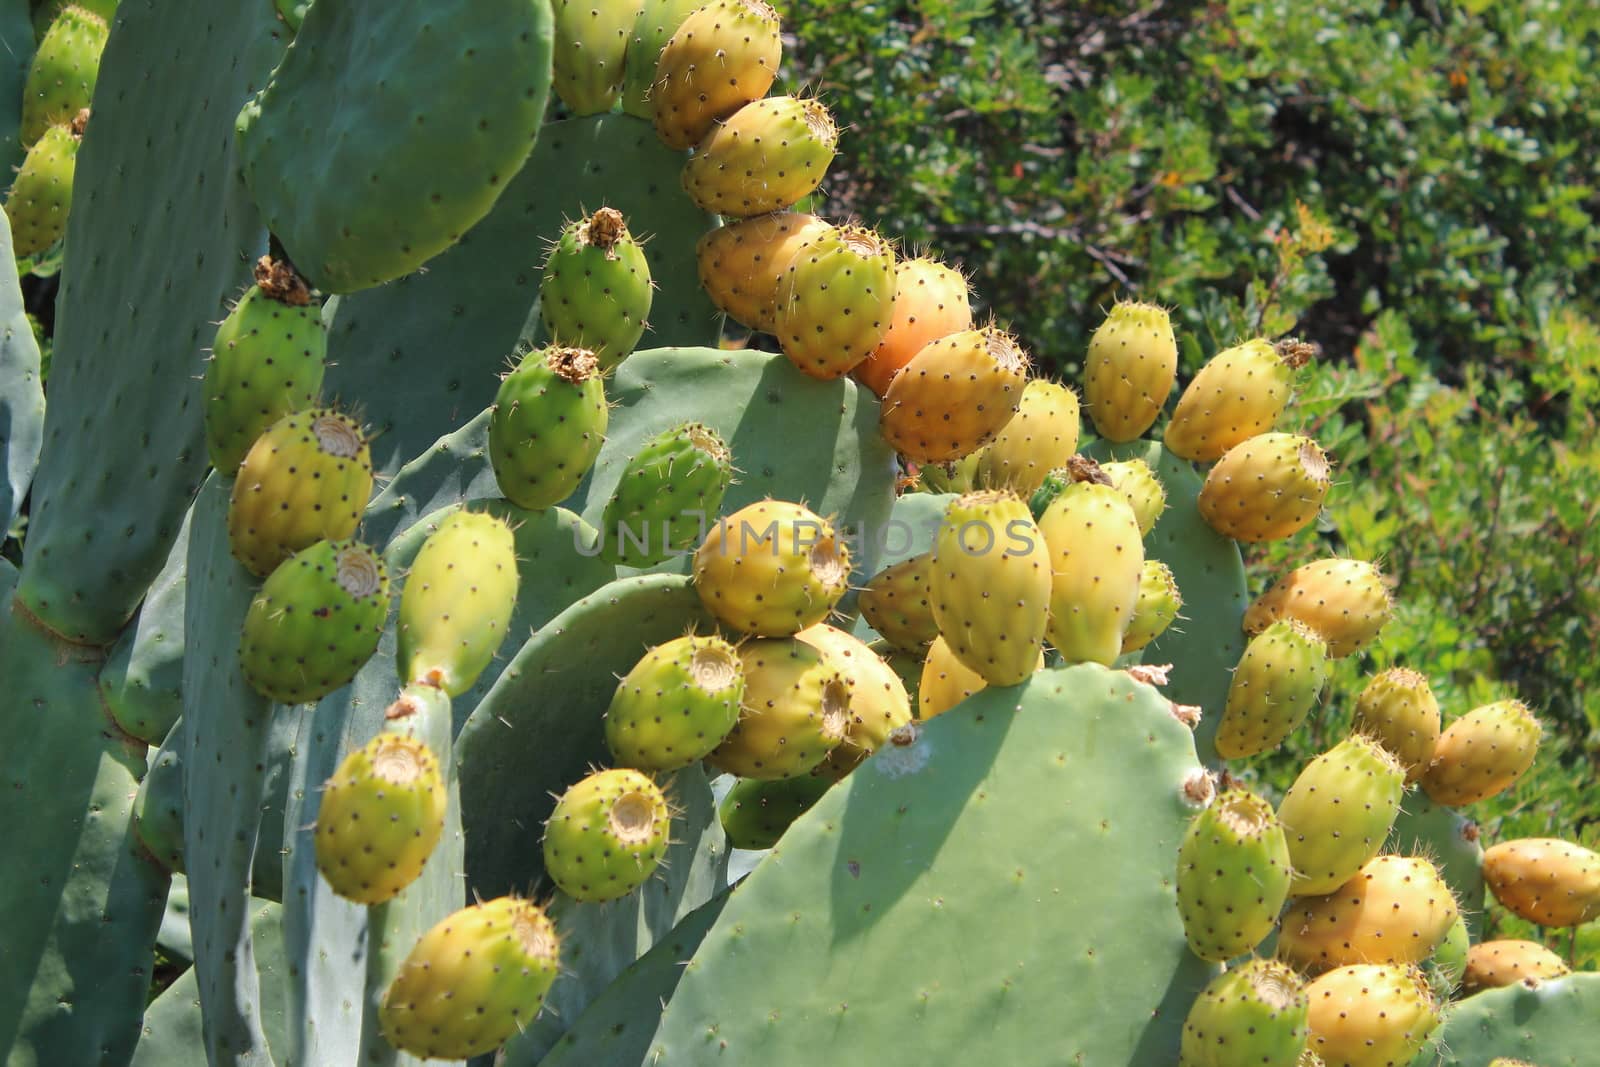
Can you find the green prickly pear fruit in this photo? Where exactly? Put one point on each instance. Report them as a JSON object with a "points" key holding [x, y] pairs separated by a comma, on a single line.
{"points": [[41, 194], [1135, 480], [457, 602], [945, 681], [305, 479], [1239, 393], [879, 703], [1398, 709], [740, 264], [990, 585], [548, 424], [957, 477], [1448, 963], [1254, 1014], [771, 569], [767, 156], [658, 20], [1371, 1015], [906, 665], [591, 38], [61, 80], [1483, 753], [834, 301], [955, 395], [1495, 964], [1338, 813], [596, 289], [1545, 880], [668, 495], [796, 710], [1267, 488], [1050, 487], [1397, 909], [676, 704], [1343, 600], [1097, 558], [722, 57], [472, 981], [1233, 876], [895, 604], [755, 813], [267, 361], [1131, 367], [1040, 437], [931, 301], [1157, 608], [1275, 686], [607, 835], [314, 622]]}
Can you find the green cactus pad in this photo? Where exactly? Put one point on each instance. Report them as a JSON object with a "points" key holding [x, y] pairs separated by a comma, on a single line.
{"points": [[158, 810], [595, 291], [1552, 1026], [667, 497], [755, 813], [21, 388]]}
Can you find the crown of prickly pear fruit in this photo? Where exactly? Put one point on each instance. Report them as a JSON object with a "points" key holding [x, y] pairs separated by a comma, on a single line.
{"points": [[548, 424]]}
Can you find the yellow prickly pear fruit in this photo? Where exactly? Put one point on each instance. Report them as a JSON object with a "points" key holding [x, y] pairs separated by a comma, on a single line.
{"points": [[607, 835], [1545, 880], [740, 263], [1343, 600], [591, 37], [931, 301], [1493, 964], [1267, 488], [771, 569], [1371, 1015], [1097, 561], [1482, 753], [1275, 686], [796, 710], [1158, 606], [879, 704], [1239, 393], [457, 601], [658, 21], [1398, 710], [896, 604], [1338, 813], [955, 395], [1042, 436], [834, 301], [1233, 876], [767, 156], [946, 681], [1135, 480], [722, 57], [1396, 910], [1130, 369]]}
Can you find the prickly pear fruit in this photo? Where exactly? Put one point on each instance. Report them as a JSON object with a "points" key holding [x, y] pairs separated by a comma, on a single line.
{"points": [[834, 301], [755, 814], [1042, 436], [595, 292], [457, 601], [1097, 557], [1545, 880], [1371, 1015], [676, 704], [990, 585], [591, 38], [1493, 964], [1233, 876], [607, 835], [548, 424], [667, 497], [741, 263], [1343, 600], [1398, 710], [1449, 960], [796, 710], [1398, 909], [931, 301], [1267, 488], [772, 569], [945, 681], [266, 362], [907, 666], [61, 80], [768, 155], [1254, 1014], [896, 604], [1132, 363], [1338, 813], [314, 622], [41, 194], [1482, 753], [958, 476], [722, 57], [955, 395], [879, 704], [1135, 480], [1157, 608], [1054, 482], [1277, 683], [658, 20], [306, 479], [1239, 393], [473, 981]]}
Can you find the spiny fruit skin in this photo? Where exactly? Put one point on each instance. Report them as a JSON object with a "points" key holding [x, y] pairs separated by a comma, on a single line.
{"points": [[1157, 608], [607, 835], [1275, 686], [907, 666], [1239, 393], [740, 264], [1233, 876], [955, 395], [1545, 880], [591, 38], [1344, 600], [1135, 480], [755, 814], [457, 601], [946, 681], [41, 194], [657, 22], [667, 496], [1338, 813], [676, 704], [834, 301], [771, 569], [1398, 909], [1494, 964], [1131, 367], [1398, 709], [1371, 1015], [896, 604], [1251, 1016], [1042, 436], [796, 710], [306, 479], [596, 291], [990, 585], [1097, 559], [1482, 753], [767, 156], [879, 703], [381, 816], [931, 301], [314, 622], [472, 981], [61, 80], [548, 424], [722, 57], [1266, 488]]}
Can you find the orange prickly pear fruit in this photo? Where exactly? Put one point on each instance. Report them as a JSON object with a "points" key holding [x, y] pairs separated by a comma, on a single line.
{"points": [[931, 301]]}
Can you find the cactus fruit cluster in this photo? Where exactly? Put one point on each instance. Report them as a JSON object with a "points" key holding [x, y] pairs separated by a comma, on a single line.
{"points": [[452, 650]]}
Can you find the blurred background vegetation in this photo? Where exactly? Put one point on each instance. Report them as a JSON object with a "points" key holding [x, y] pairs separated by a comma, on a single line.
{"points": [[1409, 185]]}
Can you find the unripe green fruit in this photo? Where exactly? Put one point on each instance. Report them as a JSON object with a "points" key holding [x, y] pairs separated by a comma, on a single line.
{"points": [[667, 497], [607, 835], [676, 704], [591, 38], [1252, 1016], [65, 69], [834, 301], [1338, 813], [596, 292], [1160, 600], [548, 424], [41, 194], [1276, 684], [457, 601], [756, 813], [1233, 876]]}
